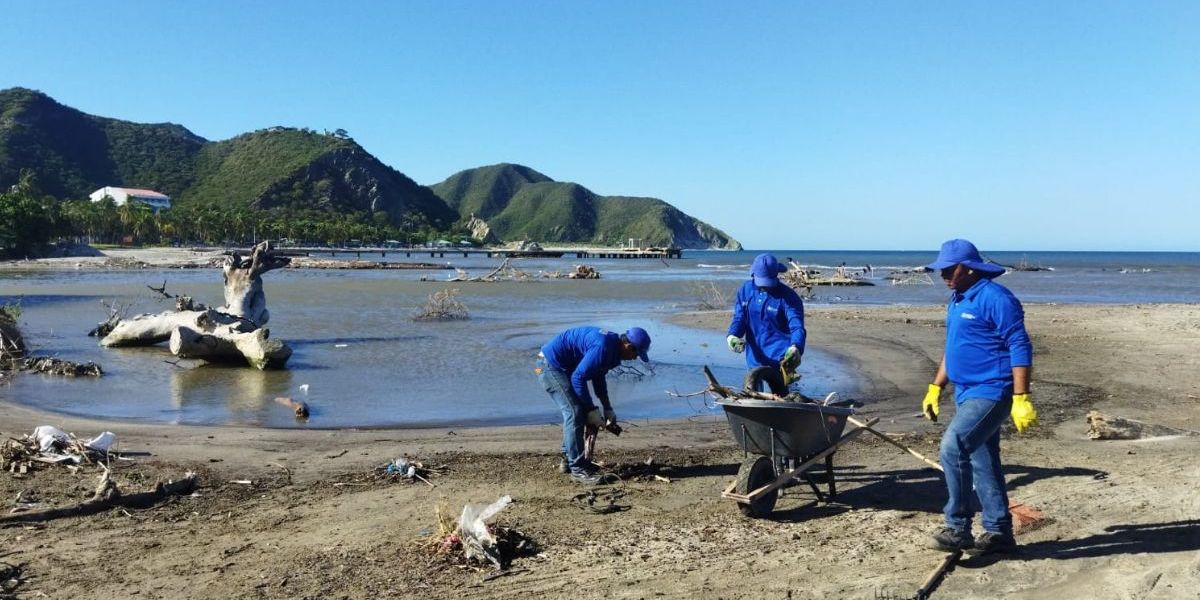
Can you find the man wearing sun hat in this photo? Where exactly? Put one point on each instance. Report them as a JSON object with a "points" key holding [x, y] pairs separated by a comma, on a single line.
{"points": [[768, 319], [565, 366], [988, 358]]}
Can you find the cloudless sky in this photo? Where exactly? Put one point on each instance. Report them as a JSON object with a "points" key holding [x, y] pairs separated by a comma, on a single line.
{"points": [[799, 124]]}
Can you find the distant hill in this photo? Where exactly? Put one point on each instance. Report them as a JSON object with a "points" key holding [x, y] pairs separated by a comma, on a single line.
{"points": [[519, 203], [292, 168], [73, 153]]}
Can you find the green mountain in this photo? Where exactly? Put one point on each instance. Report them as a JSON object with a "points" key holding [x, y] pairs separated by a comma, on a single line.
{"points": [[298, 169], [73, 153], [292, 171], [519, 203]]}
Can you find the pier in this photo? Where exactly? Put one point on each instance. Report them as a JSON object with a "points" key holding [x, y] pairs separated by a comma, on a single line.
{"points": [[581, 253]]}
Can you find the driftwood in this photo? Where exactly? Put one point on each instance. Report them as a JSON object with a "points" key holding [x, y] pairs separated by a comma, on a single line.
{"points": [[231, 333], [1108, 427], [298, 407], [107, 496]]}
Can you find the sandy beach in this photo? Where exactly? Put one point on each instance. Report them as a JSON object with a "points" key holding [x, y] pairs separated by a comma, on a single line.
{"points": [[1124, 516]]}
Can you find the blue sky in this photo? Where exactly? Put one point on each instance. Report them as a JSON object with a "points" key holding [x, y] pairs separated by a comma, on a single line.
{"points": [[823, 125]]}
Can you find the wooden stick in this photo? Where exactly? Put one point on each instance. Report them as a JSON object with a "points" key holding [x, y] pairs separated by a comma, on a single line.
{"points": [[943, 567], [889, 440]]}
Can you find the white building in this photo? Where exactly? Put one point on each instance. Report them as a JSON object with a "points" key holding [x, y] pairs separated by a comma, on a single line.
{"points": [[122, 195]]}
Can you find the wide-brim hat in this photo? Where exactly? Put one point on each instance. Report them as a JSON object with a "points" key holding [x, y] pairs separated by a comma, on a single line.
{"points": [[640, 340], [766, 270], [962, 252]]}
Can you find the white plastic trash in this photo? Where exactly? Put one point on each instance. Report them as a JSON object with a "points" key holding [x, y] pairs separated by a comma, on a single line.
{"points": [[479, 543], [103, 442], [47, 436]]}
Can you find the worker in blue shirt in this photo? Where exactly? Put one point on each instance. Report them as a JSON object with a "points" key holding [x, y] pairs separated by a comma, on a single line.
{"points": [[988, 358], [565, 366], [768, 321]]}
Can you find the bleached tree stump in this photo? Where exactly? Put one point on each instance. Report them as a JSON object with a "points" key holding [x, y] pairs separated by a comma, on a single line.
{"points": [[233, 332], [226, 344]]}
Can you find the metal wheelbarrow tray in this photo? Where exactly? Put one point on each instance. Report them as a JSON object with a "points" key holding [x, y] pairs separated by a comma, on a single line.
{"points": [[788, 438]]}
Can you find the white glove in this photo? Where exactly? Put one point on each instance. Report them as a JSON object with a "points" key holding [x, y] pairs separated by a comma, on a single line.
{"points": [[735, 343], [610, 416], [594, 418]]}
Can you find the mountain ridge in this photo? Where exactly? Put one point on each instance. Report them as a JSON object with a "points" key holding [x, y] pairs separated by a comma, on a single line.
{"points": [[280, 168]]}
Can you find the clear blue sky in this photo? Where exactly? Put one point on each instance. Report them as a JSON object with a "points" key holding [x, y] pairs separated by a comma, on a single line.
{"points": [[824, 125]]}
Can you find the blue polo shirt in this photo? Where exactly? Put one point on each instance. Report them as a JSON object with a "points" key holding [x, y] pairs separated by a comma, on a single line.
{"points": [[588, 354], [771, 319], [985, 339]]}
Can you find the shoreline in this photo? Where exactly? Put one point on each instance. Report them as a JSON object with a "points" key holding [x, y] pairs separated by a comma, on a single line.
{"points": [[315, 522]]}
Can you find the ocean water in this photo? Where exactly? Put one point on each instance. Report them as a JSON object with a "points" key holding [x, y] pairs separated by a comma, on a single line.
{"points": [[366, 363]]}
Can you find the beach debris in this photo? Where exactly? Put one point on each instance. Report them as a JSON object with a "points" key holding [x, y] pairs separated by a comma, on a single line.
{"points": [[1103, 426], [643, 471], [443, 305], [472, 541], [51, 445], [298, 407], [944, 566], [57, 366], [234, 332], [10, 579], [12, 344], [601, 501], [405, 468], [108, 495], [710, 296]]}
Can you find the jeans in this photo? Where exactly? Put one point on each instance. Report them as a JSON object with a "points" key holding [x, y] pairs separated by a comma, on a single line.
{"points": [[557, 383], [970, 454]]}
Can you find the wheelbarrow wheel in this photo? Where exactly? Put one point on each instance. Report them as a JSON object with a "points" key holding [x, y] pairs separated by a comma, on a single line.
{"points": [[753, 474]]}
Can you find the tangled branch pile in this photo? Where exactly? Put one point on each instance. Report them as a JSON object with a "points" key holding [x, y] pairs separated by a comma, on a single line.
{"points": [[56, 366], [710, 296], [443, 305]]}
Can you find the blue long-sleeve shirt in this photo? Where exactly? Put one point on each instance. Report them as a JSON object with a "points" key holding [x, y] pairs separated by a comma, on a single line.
{"points": [[770, 319], [588, 354], [985, 339]]}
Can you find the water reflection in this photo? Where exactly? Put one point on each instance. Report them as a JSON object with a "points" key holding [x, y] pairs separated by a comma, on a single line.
{"points": [[245, 395]]}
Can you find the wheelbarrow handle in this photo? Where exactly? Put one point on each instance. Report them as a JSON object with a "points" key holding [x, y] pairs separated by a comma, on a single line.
{"points": [[889, 440]]}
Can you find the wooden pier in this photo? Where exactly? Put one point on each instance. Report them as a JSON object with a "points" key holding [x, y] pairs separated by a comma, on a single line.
{"points": [[617, 253]]}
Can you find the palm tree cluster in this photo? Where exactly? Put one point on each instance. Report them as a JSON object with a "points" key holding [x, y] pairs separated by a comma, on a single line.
{"points": [[29, 220]]}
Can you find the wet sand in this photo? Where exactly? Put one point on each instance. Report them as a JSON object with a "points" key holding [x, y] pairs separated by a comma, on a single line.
{"points": [[1124, 515]]}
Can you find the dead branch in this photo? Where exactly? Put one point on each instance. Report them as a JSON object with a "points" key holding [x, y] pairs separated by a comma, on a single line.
{"points": [[107, 496], [443, 305]]}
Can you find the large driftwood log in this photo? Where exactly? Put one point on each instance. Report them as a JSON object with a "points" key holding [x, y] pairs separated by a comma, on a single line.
{"points": [[230, 333], [226, 344], [1103, 426]]}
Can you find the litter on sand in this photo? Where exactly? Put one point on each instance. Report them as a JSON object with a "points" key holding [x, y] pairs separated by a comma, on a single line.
{"points": [[51, 445], [474, 542]]}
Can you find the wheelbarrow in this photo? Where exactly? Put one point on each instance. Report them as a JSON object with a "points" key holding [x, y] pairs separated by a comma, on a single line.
{"points": [[786, 439]]}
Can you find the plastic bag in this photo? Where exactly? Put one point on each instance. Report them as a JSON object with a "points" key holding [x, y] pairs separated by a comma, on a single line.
{"points": [[479, 543], [103, 442], [48, 437]]}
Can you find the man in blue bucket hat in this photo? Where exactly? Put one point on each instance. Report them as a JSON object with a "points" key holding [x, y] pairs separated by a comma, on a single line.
{"points": [[768, 320], [988, 358], [565, 366]]}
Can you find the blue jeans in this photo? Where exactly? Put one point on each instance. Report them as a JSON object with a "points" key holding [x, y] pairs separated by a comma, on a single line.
{"points": [[970, 455], [557, 383]]}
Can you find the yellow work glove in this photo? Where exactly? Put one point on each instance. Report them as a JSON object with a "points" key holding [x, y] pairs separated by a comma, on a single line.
{"points": [[929, 405], [1024, 415]]}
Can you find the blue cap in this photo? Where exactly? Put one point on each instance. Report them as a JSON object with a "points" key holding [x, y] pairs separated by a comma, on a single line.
{"points": [[640, 340], [962, 252], [766, 270]]}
